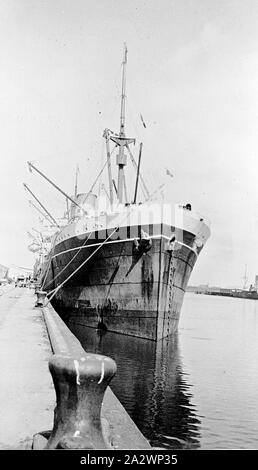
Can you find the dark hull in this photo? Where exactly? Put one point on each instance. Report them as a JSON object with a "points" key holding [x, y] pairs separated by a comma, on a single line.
{"points": [[128, 292]]}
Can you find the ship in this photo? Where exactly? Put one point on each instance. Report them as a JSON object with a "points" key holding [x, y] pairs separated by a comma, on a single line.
{"points": [[123, 266]]}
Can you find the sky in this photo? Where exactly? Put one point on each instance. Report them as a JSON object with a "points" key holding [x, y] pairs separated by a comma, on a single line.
{"points": [[193, 75]]}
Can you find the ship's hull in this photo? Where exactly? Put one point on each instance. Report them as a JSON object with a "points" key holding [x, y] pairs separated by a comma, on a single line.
{"points": [[123, 288]]}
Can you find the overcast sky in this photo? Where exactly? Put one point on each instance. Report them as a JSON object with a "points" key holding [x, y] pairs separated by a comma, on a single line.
{"points": [[192, 74]]}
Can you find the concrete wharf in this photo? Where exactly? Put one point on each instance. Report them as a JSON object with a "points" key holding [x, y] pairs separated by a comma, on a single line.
{"points": [[27, 394]]}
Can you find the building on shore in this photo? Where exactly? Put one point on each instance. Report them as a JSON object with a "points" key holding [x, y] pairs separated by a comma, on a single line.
{"points": [[250, 293], [3, 271]]}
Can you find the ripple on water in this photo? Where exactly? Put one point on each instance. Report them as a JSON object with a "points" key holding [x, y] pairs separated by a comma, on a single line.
{"points": [[197, 390]]}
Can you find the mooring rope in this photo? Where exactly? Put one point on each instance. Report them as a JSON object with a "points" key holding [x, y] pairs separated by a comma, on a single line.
{"points": [[49, 264], [66, 266], [85, 241], [47, 271], [54, 291]]}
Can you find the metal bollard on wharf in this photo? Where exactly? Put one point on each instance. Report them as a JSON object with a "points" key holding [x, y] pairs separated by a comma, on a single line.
{"points": [[36, 287], [41, 297], [80, 385], [87, 414]]}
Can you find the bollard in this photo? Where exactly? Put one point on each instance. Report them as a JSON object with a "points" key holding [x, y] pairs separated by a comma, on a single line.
{"points": [[41, 296], [80, 384], [36, 287]]}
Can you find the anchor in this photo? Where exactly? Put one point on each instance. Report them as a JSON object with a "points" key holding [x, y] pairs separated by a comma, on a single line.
{"points": [[144, 244]]}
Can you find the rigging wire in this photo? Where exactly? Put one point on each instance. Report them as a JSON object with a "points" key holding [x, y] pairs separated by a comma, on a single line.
{"points": [[54, 291], [98, 176], [49, 264], [85, 241], [66, 266], [102, 160]]}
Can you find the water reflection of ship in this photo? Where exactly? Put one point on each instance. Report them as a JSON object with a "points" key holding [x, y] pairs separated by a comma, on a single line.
{"points": [[151, 385]]}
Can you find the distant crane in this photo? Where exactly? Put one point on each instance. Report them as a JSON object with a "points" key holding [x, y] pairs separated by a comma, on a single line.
{"points": [[245, 278]]}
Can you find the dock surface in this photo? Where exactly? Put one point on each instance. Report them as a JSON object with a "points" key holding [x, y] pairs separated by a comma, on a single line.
{"points": [[28, 338], [27, 396]]}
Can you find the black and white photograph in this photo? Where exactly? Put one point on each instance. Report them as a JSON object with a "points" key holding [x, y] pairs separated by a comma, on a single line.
{"points": [[129, 221]]}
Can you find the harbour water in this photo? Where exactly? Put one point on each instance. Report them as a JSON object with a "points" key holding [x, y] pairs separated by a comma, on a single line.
{"points": [[198, 390]]}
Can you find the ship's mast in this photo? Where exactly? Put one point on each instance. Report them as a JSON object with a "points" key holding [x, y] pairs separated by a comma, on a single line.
{"points": [[122, 141], [106, 135], [245, 278], [122, 113], [76, 181]]}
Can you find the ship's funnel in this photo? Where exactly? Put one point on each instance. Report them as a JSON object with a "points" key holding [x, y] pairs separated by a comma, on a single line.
{"points": [[87, 201]]}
